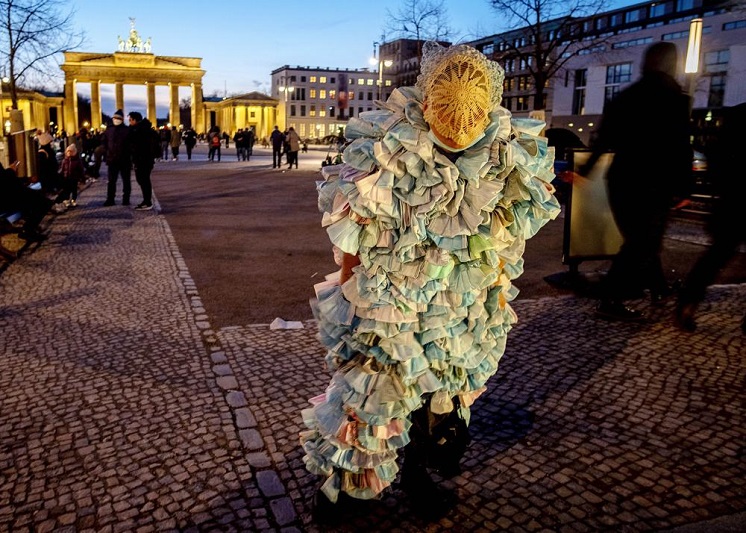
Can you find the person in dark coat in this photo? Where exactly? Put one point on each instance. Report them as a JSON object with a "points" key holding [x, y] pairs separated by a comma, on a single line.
{"points": [[278, 142], [727, 227], [647, 128], [190, 139], [16, 196], [117, 159], [142, 141]]}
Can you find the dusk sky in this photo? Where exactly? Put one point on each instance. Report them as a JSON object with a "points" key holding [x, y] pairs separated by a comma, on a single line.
{"points": [[242, 42]]}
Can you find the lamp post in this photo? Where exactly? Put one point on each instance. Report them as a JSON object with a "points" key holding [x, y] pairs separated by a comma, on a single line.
{"points": [[381, 64], [4, 80], [693, 48], [286, 89]]}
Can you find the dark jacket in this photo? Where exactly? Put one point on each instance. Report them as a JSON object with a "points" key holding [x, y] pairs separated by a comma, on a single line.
{"points": [[72, 168], [46, 168], [115, 145], [647, 128], [277, 138], [142, 142]]}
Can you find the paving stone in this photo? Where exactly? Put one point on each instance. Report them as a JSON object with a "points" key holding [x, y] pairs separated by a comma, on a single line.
{"points": [[245, 418], [269, 483], [588, 425]]}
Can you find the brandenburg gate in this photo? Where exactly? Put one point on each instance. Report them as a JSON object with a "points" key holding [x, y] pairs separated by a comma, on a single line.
{"points": [[132, 64]]}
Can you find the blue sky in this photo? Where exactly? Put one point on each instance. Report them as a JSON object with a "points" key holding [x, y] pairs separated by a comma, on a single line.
{"points": [[242, 42]]}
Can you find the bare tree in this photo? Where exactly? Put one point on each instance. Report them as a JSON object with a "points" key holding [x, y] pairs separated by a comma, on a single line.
{"points": [[32, 33], [421, 20], [550, 34]]}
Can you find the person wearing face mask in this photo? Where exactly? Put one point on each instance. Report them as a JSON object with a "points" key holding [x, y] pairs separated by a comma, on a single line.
{"points": [[429, 216], [117, 159]]}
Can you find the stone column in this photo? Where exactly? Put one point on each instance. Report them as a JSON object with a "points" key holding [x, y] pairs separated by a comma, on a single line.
{"points": [[96, 104], [119, 96], [173, 107], [151, 104], [198, 112], [70, 123]]}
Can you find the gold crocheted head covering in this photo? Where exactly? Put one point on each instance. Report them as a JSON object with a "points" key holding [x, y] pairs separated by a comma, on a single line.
{"points": [[460, 86]]}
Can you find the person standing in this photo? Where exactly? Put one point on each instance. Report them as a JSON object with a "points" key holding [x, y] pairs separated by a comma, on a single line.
{"points": [[277, 138], [726, 224], [117, 159], [175, 143], [646, 177], [416, 320], [213, 140], [190, 139], [293, 141], [73, 173], [143, 141], [165, 134], [239, 139], [250, 140]]}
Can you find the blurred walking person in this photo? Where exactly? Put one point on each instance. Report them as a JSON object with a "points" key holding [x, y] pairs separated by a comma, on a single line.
{"points": [[645, 178]]}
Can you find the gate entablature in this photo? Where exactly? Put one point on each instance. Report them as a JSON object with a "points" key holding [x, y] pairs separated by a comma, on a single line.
{"points": [[135, 67]]}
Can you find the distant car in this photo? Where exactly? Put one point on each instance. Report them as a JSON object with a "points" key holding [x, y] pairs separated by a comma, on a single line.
{"points": [[699, 162]]}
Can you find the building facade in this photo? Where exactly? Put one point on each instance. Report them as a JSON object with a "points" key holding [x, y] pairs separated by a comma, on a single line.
{"points": [[317, 102], [575, 98]]}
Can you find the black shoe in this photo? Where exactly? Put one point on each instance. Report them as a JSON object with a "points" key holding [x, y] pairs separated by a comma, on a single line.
{"points": [[428, 501], [108, 203], [684, 317], [328, 513], [610, 310], [143, 207]]}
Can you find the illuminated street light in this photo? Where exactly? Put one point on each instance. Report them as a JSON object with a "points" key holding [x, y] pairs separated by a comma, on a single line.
{"points": [[286, 89], [381, 64], [691, 67], [6, 129]]}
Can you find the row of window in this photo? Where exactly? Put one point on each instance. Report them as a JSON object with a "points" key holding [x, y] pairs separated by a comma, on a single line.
{"points": [[299, 95], [331, 80], [715, 63], [600, 23], [331, 111]]}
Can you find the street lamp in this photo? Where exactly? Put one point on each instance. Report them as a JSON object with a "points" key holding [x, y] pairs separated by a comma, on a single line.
{"points": [[3, 81], [691, 67], [381, 64], [286, 89]]}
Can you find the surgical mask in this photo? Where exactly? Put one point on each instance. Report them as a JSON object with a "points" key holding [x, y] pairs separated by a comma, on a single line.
{"points": [[116, 121]]}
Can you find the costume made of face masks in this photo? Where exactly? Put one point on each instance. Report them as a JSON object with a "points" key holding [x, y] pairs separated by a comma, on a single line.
{"points": [[423, 320]]}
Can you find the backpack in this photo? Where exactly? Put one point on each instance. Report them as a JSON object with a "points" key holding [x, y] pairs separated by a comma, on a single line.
{"points": [[215, 141]]}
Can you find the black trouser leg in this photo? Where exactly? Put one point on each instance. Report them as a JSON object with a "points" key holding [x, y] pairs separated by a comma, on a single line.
{"points": [[142, 175]]}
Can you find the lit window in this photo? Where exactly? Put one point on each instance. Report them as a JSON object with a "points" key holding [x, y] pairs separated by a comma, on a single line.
{"points": [[313, 79], [370, 82], [388, 83], [351, 95], [360, 81], [322, 79], [322, 112], [332, 94], [312, 111], [312, 93], [322, 94]]}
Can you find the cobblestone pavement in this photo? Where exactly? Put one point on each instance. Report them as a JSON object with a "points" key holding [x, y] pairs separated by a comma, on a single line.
{"points": [[122, 410]]}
